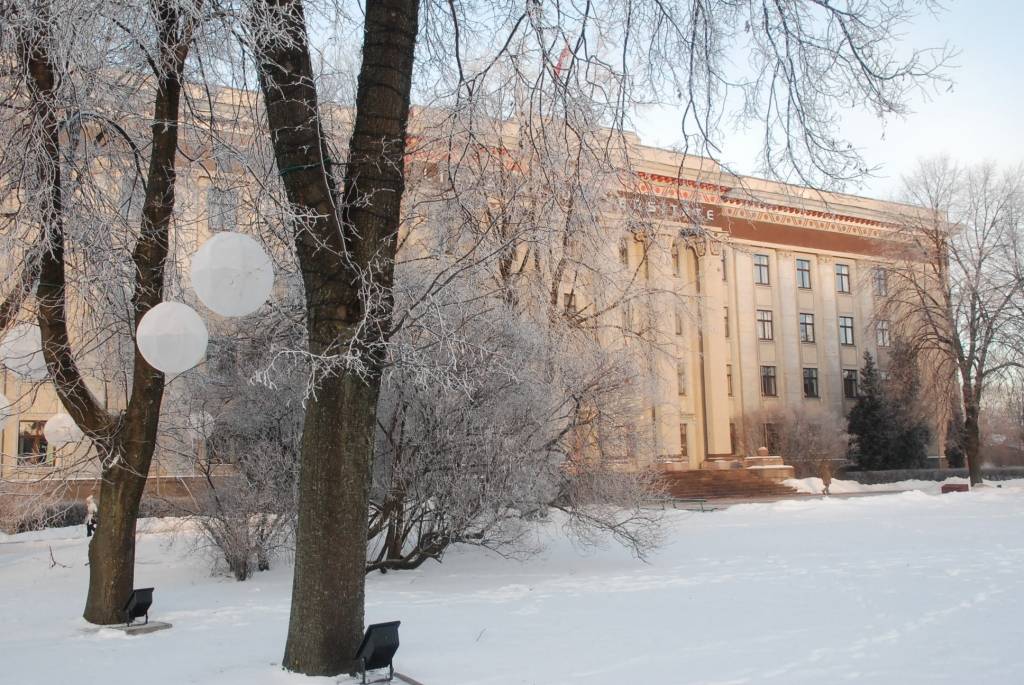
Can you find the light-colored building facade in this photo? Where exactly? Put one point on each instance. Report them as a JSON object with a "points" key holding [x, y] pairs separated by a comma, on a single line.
{"points": [[769, 299], [787, 284]]}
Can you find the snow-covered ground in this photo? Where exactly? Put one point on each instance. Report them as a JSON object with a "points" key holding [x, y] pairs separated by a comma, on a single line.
{"points": [[813, 486], [901, 588]]}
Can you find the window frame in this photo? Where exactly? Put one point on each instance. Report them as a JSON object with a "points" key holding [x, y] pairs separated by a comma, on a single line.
{"points": [[880, 281], [846, 331], [811, 379], [769, 379], [805, 329], [762, 271], [803, 274], [681, 378], [883, 335], [38, 438], [765, 325], [843, 279], [851, 379]]}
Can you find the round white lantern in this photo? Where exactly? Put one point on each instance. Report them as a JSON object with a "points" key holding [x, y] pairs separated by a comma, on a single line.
{"points": [[61, 429], [22, 352], [6, 411], [232, 275], [172, 337]]}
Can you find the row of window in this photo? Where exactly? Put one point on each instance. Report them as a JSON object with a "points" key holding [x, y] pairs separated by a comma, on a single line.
{"points": [[769, 384], [762, 276], [766, 328]]}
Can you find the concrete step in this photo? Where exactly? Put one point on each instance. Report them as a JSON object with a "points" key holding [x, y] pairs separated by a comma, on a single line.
{"points": [[724, 483]]}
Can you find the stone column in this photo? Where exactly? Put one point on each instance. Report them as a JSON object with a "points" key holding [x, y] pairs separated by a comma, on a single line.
{"points": [[716, 347]]}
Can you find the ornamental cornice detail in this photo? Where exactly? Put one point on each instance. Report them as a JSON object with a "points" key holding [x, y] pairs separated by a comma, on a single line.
{"points": [[771, 216]]}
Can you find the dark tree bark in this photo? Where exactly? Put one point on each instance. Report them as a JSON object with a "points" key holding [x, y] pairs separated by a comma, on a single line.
{"points": [[124, 443], [971, 437], [340, 242]]}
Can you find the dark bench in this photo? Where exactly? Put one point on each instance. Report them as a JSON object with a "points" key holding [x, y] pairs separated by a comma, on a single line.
{"points": [[675, 501]]}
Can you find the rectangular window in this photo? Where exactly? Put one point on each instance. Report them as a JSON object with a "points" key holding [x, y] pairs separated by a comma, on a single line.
{"points": [[684, 443], [732, 438], [764, 325], [681, 378], [679, 321], [803, 273], [726, 322], [842, 278], [222, 209], [880, 278], [810, 382], [624, 252], [882, 333], [725, 272], [768, 387], [676, 264], [570, 304], [728, 378], [627, 316], [845, 330], [850, 383], [32, 447], [761, 275], [807, 328], [771, 438]]}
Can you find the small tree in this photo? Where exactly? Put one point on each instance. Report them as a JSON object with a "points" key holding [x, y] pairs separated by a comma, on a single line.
{"points": [[811, 439], [870, 423], [886, 426], [911, 431]]}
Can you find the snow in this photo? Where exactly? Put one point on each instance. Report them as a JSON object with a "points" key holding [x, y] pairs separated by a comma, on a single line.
{"points": [[843, 487], [896, 588]]}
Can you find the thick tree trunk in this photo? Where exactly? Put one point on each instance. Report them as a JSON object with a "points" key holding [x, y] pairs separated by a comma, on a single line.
{"points": [[341, 242], [972, 442], [112, 549]]}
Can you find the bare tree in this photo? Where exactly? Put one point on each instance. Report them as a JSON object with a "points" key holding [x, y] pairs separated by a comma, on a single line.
{"points": [[812, 56], [958, 286], [811, 439], [70, 136]]}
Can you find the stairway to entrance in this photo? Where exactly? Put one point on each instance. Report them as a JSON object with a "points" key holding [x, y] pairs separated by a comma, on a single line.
{"points": [[712, 483]]}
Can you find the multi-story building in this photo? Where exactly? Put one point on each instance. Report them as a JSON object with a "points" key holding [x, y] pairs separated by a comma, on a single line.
{"points": [[776, 300], [787, 282]]}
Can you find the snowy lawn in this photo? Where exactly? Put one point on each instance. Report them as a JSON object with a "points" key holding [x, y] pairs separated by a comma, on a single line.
{"points": [[902, 588], [813, 486]]}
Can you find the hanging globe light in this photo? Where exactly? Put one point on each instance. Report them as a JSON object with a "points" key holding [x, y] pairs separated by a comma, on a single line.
{"points": [[231, 274], [6, 411], [172, 337], [22, 352], [61, 429]]}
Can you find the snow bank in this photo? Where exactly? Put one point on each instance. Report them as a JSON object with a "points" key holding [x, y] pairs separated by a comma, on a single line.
{"points": [[841, 487]]}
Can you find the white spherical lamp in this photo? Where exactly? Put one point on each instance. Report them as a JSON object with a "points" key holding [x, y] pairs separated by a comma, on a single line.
{"points": [[6, 411], [22, 352], [231, 274], [61, 429], [172, 337]]}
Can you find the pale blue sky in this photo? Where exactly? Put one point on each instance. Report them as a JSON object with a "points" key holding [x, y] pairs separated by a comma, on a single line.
{"points": [[982, 118]]}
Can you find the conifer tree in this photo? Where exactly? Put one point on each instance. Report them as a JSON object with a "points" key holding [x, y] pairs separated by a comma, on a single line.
{"points": [[870, 422], [902, 390]]}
